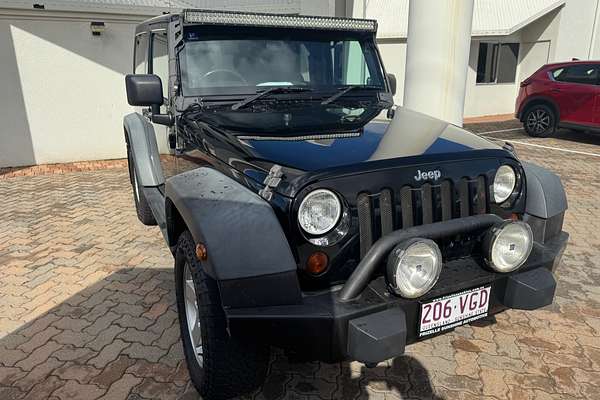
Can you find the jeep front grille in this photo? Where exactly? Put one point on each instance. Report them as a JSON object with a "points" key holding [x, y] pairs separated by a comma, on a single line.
{"points": [[389, 210]]}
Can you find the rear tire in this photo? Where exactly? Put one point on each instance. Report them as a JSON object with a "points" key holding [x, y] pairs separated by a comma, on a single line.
{"points": [[142, 208], [539, 121], [220, 366]]}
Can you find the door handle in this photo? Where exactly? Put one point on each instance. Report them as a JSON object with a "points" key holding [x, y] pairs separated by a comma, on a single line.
{"points": [[556, 90]]}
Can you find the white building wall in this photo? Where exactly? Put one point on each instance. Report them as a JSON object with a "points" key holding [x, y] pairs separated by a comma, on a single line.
{"points": [[537, 46], [486, 99], [576, 27], [560, 35], [546, 29], [306, 7], [393, 52], [62, 88]]}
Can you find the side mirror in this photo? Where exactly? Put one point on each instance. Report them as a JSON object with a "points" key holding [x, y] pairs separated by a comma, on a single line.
{"points": [[392, 82], [144, 90]]}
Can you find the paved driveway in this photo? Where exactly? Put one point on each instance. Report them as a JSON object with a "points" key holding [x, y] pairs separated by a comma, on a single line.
{"points": [[87, 304]]}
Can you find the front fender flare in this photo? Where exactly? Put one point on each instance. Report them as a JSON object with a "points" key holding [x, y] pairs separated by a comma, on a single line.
{"points": [[248, 252], [546, 202], [546, 196]]}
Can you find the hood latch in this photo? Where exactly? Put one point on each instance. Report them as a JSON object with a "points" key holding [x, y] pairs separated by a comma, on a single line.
{"points": [[271, 182]]}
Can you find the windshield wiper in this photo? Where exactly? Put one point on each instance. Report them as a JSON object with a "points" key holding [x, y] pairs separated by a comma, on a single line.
{"points": [[346, 89], [262, 93]]}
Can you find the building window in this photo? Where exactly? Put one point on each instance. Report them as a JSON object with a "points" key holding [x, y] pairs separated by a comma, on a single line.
{"points": [[497, 62]]}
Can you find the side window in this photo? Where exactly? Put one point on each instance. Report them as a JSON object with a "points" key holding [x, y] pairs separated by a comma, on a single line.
{"points": [[140, 54], [304, 63], [585, 74], [160, 59], [557, 74], [355, 67], [349, 64]]}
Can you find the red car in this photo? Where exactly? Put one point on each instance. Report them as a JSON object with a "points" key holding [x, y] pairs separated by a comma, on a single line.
{"points": [[560, 95]]}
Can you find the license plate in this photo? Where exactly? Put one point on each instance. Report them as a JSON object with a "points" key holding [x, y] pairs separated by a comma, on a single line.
{"points": [[454, 310]]}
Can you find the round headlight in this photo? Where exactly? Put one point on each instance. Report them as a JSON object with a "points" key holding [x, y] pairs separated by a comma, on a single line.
{"points": [[319, 212], [413, 267], [504, 183], [508, 246]]}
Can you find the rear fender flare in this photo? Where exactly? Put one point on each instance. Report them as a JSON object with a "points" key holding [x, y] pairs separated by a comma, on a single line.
{"points": [[142, 143]]}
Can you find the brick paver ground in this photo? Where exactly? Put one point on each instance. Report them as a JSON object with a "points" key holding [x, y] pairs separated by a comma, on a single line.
{"points": [[87, 305]]}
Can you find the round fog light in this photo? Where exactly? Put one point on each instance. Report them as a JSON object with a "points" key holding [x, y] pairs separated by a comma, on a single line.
{"points": [[508, 245], [413, 267]]}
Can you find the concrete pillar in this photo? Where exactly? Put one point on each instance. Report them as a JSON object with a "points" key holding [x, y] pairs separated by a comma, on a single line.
{"points": [[437, 57]]}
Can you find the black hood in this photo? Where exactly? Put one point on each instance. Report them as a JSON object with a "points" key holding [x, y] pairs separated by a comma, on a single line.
{"points": [[409, 134], [410, 138]]}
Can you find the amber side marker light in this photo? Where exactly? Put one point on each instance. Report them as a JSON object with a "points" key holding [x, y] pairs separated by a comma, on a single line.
{"points": [[201, 253], [317, 263]]}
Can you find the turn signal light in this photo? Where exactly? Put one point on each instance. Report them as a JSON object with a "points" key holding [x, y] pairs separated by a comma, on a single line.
{"points": [[317, 263], [201, 252]]}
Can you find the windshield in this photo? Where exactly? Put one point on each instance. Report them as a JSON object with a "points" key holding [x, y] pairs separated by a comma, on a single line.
{"points": [[243, 64]]}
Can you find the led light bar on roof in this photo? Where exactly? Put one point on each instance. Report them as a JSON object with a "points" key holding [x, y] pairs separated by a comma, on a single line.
{"points": [[278, 20]]}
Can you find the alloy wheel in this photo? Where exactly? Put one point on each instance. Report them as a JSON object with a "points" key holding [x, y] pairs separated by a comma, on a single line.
{"points": [[538, 121], [192, 314]]}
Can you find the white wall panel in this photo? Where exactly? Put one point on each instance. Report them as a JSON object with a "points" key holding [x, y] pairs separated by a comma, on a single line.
{"points": [[393, 53], [67, 90], [576, 21]]}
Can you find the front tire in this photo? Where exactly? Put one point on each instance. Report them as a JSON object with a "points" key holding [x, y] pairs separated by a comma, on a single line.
{"points": [[220, 366], [539, 121]]}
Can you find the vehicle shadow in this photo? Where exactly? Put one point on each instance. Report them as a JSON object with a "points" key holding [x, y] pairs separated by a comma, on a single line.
{"points": [[10, 170], [402, 377], [123, 328], [567, 135], [119, 329], [578, 136]]}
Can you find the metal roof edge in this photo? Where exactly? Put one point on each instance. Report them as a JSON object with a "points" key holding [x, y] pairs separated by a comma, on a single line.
{"points": [[537, 16], [85, 7], [491, 32]]}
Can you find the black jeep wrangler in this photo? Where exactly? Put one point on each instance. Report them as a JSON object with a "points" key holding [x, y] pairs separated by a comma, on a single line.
{"points": [[298, 221]]}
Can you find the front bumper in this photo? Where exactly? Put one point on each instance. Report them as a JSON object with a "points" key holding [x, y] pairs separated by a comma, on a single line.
{"points": [[377, 325]]}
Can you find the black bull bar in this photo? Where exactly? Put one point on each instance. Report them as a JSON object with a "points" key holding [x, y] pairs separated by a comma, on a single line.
{"points": [[361, 276]]}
